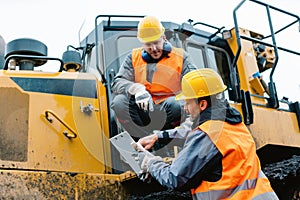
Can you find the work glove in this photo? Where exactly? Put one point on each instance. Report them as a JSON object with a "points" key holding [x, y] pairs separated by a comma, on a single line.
{"points": [[142, 97], [144, 100], [143, 157]]}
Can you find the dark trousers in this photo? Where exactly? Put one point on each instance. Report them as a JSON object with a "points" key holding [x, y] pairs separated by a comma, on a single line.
{"points": [[139, 123]]}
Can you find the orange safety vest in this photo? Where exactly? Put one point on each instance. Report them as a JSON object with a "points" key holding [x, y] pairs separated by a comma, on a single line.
{"points": [[166, 79], [242, 177]]}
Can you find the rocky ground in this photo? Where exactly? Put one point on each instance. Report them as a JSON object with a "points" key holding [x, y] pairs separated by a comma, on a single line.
{"points": [[285, 178]]}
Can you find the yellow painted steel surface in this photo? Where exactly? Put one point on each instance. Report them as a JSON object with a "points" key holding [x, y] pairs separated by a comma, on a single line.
{"points": [[35, 141], [246, 64], [271, 126]]}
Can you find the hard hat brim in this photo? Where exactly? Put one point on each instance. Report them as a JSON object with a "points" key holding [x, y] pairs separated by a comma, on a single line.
{"points": [[179, 97], [151, 38]]}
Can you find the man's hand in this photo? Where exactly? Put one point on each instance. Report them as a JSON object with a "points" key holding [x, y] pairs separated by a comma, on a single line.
{"points": [[148, 141], [144, 100]]}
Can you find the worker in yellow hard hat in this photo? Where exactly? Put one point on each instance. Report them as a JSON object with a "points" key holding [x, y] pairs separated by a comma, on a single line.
{"points": [[218, 159], [150, 29], [148, 80]]}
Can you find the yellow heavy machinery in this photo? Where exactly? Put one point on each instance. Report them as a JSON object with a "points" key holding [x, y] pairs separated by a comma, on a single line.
{"points": [[55, 126]]}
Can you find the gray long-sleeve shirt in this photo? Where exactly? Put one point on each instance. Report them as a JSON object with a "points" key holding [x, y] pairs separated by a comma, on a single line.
{"points": [[188, 163], [125, 77], [179, 132]]}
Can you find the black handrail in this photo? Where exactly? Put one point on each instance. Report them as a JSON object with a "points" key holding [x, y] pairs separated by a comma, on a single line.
{"points": [[98, 65], [268, 44], [96, 38], [33, 58], [273, 101], [219, 29]]}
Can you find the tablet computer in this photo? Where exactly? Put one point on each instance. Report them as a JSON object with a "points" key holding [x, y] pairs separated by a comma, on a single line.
{"points": [[124, 143]]}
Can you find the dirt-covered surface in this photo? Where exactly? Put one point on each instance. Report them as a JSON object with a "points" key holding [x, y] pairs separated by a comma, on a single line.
{"points": [[285, 177], [164, 195]]}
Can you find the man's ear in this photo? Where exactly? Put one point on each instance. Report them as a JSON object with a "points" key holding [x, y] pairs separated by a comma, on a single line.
{"points": [[203, 105]]}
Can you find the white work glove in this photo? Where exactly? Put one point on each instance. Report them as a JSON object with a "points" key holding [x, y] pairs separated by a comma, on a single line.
{"points": [[142, 97], [135, 88], [144, 174], [144, 100], [143, 157]]}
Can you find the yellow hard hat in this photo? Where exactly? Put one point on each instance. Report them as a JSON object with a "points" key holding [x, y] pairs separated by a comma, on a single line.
{"points": [[200, 83], [149, 29]]}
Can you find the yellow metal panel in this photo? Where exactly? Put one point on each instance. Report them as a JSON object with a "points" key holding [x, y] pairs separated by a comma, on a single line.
{"points": [[47, 148], [104, 122], [257, 86], [275, 127], [13, 124], [246, 63]]}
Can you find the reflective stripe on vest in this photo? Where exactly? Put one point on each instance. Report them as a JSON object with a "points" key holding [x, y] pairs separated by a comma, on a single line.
{"points": [[242, 177], [166, 79]]}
